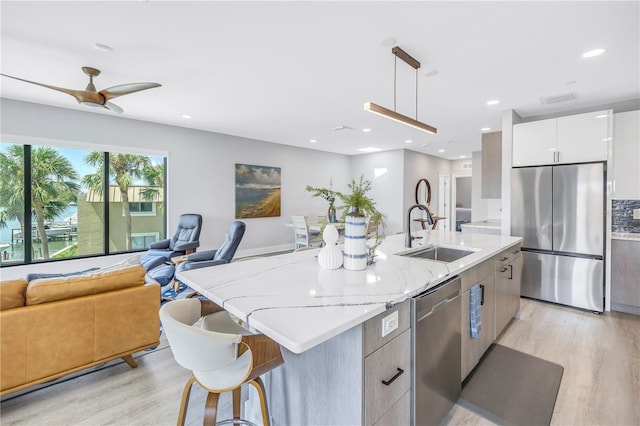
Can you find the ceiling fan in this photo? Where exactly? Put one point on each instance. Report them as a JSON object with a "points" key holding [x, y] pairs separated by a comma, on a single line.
{"points": [[91, 97]]}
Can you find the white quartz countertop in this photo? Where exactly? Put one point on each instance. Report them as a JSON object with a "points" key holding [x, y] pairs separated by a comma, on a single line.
{"points": [[294, 301], [490, 224], [625, 236]]}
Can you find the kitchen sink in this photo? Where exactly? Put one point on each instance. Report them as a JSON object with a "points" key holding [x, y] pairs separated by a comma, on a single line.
{"points": [[440, 254]]}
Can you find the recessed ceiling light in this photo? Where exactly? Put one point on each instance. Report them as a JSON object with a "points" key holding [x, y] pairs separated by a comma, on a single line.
{"points": [[369, 149], [102, 47], [186, 116], [366, 130], [592, 53], [463, 156], [408, 141], [493, 102], [441, 150], [313, 141], [602, 116], [485, 129]]}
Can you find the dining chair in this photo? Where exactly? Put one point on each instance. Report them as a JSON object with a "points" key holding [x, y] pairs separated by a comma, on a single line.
{"points": [[221, 354], [322, 217], [302, 237]]}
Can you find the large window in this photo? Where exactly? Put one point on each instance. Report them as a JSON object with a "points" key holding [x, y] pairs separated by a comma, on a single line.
{"points": [[60, 203]]}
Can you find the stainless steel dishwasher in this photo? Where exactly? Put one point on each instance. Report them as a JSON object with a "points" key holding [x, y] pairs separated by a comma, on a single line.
{"points": [[435, 317]]}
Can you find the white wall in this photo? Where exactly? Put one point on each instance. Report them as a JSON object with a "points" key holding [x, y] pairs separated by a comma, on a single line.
{"points": [[422, 166], [387, 189], [201, 166]]}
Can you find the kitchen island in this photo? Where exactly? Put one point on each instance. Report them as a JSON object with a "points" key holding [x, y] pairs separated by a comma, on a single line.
{"points": [[328, 322]]}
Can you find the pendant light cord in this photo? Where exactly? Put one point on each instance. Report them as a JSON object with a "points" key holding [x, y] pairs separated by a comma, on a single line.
{"points": [[395, 70], [416, 94]]}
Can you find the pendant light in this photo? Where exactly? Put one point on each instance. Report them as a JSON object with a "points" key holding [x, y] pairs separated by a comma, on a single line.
{"points": [[392, 114]]}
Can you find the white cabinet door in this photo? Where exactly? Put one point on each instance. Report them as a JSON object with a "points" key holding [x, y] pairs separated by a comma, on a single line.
{"points": [[626, 154], [583, 137], [534, 143]]}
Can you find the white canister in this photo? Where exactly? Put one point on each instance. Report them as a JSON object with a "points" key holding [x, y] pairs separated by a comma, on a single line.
{"points": [[355, 242]]}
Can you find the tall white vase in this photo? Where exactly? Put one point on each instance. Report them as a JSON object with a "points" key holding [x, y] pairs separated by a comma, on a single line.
{"points": [[355, 242]]}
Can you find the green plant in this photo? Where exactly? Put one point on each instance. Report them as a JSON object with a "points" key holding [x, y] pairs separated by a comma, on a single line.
{"points": [[358, 199], [325, 193], [355, 199]]}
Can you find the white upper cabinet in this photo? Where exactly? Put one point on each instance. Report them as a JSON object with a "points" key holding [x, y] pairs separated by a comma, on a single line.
{"points": [[573, 139], [626, 154], [534, 143], [583, 137]]}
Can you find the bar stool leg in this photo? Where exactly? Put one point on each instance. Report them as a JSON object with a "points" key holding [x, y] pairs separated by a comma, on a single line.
{"points": [[185, 401], [211, 409], [236, 403], [259, 385]]}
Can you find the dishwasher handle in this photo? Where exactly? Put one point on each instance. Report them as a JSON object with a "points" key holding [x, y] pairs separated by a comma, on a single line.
{"points": [[440, 305]]}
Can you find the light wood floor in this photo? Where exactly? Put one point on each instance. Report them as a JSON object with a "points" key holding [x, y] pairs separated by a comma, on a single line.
{"points": [[600, 385]]}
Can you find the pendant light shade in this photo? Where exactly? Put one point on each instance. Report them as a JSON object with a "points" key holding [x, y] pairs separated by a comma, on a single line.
{"points": [[393, 114]]}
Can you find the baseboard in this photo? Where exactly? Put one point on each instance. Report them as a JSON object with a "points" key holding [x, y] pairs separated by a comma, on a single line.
{"points": [[628, 309]]}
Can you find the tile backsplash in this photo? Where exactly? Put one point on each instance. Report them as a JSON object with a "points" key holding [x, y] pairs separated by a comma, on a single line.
{"points": [[622, 216]]}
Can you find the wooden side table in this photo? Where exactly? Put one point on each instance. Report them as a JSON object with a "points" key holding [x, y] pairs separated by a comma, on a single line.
{"points": [[176, 261]]}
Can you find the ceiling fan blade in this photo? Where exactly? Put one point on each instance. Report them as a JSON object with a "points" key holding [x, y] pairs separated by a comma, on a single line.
{"points": [[78, 94], [125, 89], [113, 107]]}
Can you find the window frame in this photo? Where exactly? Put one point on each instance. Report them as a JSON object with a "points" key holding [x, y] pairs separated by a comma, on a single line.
{"points": [[28, 143]]}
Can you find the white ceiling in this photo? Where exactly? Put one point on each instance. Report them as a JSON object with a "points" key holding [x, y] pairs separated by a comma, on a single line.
{"points": [[289, 72]]}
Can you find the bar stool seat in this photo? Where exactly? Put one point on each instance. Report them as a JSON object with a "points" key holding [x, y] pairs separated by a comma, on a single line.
{"points": [[221, 354]]}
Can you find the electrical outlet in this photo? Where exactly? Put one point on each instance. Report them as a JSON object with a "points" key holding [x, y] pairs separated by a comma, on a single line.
{"points": [[389, 323], [636, 213]]}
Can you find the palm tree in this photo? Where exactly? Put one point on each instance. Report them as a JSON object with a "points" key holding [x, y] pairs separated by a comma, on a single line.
{"points": [[124, 169], [53, 185], [153, 176]]}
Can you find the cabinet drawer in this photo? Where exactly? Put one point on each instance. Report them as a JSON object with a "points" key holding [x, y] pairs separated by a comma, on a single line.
{"points": [[507, 256], [399, 414], [373, 328], [381, 365], [476, 274]]}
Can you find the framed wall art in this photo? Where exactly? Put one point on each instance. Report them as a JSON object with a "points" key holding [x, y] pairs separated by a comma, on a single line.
{"points": [[257, 191]]}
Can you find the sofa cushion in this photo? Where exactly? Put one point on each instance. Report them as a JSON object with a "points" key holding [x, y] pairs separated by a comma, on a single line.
{"points": [[37, 276], [12, 293], [105, 279]]}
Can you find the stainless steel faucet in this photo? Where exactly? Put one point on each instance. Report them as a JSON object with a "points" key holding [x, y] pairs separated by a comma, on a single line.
{"points": [[408, 238]]}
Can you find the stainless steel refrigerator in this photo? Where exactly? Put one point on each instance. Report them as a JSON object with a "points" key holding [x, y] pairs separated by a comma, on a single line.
{"points": [[560, 213]]}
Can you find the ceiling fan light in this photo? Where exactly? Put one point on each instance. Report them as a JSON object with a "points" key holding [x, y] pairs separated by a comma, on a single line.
{"points": [[392, 115]]}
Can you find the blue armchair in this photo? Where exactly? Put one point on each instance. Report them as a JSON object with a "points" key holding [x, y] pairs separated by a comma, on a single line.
{"points": [[185, 240], [224, 254]]}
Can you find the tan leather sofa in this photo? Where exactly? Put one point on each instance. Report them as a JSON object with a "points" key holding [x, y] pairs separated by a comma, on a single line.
{"points": [[55, 326]]}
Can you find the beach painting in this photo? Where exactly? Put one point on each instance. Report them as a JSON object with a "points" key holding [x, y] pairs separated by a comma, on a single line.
{"points": [[257, 191]]}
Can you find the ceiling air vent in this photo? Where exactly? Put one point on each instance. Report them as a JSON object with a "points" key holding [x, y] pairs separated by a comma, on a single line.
{"points": [[558, 98]]}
